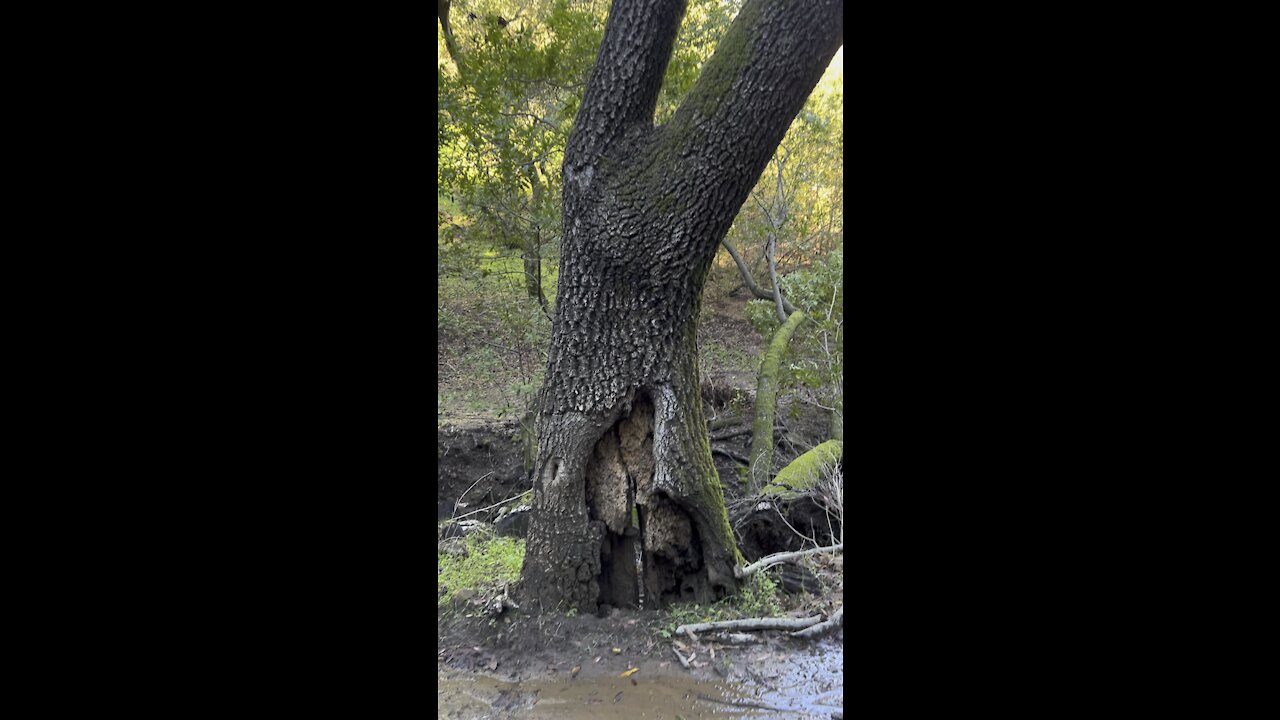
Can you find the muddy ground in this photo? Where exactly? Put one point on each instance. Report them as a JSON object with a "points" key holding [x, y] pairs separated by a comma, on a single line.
{"points": [[566, 668]]}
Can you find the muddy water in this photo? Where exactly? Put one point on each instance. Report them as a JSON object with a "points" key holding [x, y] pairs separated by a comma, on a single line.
{"points": [[762, 683]]}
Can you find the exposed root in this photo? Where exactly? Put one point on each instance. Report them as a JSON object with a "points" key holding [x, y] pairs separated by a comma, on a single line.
{"points": [[836, 620], [750, 624], [777, 558], [731, 455]]}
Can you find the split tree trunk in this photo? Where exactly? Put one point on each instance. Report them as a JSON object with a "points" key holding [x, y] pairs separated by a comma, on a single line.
{"points": [[624, 463]]}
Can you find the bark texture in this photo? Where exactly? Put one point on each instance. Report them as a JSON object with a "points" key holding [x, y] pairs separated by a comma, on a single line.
{"points": [[624, 464]]}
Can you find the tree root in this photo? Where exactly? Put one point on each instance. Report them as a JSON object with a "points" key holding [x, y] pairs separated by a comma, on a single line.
{"points": [[801, 627], [837, 619], [731, 455], [750, 624], [776, 558]]}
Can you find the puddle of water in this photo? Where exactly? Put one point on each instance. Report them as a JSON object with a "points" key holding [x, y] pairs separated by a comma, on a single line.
{"points": [[464, 696], [787, 685]]}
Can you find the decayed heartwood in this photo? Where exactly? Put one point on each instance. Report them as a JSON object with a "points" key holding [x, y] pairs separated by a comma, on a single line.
{"points": [[620, 422]]}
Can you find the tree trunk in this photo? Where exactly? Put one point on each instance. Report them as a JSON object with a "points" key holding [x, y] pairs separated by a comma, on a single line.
{"points": [[442, 12], [533, 248], [624, 464]]}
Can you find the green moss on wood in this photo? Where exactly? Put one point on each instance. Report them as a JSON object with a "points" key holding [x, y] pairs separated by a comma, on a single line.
{"points": [[732, 55], [766, 395], [804, 471]]}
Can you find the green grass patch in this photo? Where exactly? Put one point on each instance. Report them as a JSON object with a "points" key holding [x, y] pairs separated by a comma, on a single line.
{"points": [[490, 561]]}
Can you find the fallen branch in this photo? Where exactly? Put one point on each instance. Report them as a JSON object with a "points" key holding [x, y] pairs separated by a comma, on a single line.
{"points": [[770, 560], [751, 624], [683, 662], [836, 620]]}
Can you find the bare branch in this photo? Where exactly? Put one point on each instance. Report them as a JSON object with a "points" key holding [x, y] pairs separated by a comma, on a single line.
{"points": [[755, 289], [777, 558], [464, 492], [497, 504]]}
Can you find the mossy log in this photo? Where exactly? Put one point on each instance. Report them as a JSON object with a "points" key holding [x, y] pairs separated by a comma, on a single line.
{"points": [[801, 474]]}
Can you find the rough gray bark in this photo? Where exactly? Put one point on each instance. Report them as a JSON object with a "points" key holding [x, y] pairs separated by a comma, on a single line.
{"points": [[620, 424]]}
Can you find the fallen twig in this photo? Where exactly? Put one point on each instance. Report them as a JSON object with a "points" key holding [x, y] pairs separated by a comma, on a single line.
{"points": [[837, 618], [750, 624], [740, 703], [776, 558], [504, 502], [683, 662], [457, 503]]}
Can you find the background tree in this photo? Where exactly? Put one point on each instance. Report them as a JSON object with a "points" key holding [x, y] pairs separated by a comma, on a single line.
{"points": [[509, 83], [624, 462]]}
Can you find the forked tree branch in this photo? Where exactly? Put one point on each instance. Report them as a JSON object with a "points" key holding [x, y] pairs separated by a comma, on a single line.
{"points": [[762, 293]]}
